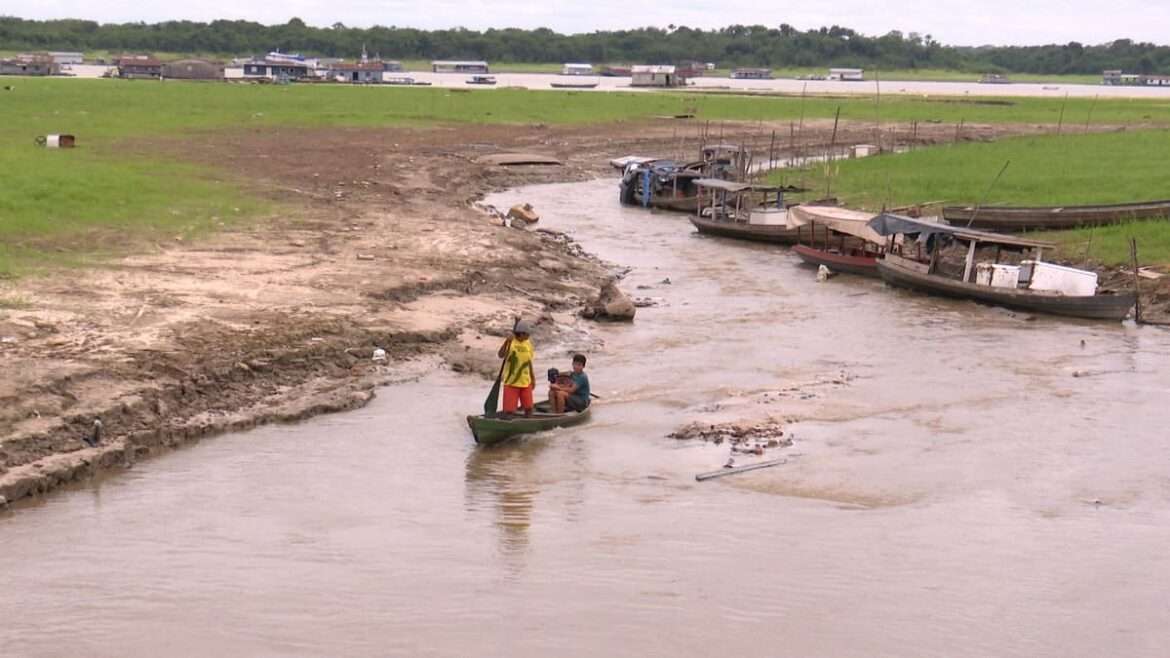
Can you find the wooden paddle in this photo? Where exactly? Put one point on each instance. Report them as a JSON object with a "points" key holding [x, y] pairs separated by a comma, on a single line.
{"points": [[493, 399]]}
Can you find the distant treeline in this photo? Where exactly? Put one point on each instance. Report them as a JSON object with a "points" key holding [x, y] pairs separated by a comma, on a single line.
{"points": [[735, 45]]}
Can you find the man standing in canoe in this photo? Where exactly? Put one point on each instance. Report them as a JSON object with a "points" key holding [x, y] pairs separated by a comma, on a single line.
{"points": [[518, 377]]}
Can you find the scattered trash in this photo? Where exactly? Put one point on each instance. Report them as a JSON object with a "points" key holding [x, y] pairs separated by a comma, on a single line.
{"points": [[610, 304], [95, 434], [365, 257], [665, 281], [56, 141], [824, 274], [380, 356], [550, 265], [768, 434], [735, 470], [523, 212]]}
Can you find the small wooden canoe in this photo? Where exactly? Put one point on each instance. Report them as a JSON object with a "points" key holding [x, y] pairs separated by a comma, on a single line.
{"points": [[1015, 218], [490, 431], [838, 262]]}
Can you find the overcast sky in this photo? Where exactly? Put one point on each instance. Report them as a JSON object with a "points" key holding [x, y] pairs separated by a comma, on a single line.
{"points": [[953, 22]]}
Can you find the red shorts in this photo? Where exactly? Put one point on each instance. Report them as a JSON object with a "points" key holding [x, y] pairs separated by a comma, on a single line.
{"points": [[515, 397]]}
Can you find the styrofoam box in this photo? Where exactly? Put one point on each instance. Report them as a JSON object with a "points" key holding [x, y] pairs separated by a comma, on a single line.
{"points": [[1065, 280], [997, 276]]}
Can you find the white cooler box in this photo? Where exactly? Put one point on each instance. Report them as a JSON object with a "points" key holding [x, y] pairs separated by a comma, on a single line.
{"points": [[997, 276], [1057, 278]]}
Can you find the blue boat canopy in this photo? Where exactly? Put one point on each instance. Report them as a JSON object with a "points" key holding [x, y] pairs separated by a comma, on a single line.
{"points": [[887, 224]]}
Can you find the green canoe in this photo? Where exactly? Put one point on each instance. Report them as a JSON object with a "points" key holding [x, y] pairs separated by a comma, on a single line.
{"points": [[490, 431]]}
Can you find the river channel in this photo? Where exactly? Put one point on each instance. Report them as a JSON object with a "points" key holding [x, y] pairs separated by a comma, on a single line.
{"points": [[963, 481]]}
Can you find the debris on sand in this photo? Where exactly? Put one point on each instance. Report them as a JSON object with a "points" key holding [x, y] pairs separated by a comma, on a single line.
{"points": [[523, 212], [743, 437], [610, 304]]}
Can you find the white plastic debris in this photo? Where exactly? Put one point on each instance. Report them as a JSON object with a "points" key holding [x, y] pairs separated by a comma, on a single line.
{"points": [[380, 356], [823, 273]]}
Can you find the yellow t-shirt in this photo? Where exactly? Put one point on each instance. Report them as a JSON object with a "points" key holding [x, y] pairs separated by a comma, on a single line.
{"points": [[516, 365]]}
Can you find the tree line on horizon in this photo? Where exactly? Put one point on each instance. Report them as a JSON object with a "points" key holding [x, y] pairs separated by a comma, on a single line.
{"points": [[734, 45]]}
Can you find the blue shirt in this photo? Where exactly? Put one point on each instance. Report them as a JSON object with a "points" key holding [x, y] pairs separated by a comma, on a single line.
{"points": [[582, 382]]}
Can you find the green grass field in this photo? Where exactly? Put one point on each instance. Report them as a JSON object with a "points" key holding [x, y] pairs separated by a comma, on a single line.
{"points": [[58, 203], [1048, 170]]}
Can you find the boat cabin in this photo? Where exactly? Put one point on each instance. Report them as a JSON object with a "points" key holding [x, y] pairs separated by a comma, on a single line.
{"points": [[748, 203], [1007, 261], [846, 231]]}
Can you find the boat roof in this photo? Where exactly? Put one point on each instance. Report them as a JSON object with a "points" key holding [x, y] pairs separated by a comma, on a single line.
{"points": [[733, 186], [841, 220], [891, 224]]}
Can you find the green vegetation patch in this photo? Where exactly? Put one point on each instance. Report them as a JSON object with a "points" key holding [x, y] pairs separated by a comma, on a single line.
{"points": [[1051, 170], [57, 204], [1110, 244]]}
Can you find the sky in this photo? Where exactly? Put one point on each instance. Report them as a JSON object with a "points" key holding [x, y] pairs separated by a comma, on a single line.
{"points": [[952, 22]]}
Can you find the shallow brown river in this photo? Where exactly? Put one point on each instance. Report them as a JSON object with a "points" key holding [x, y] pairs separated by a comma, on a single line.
{"points": [[953, 490]]}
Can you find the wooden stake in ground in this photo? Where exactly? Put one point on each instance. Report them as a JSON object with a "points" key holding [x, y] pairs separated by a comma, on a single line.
{"points": [[1089, 118], [1060, 121], [877, 108], [987, 193], [1137, 291], [829, 156]]}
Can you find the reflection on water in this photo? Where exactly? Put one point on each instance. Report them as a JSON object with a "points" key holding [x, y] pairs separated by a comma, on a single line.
{"points": [[963, 482], [504, 480]]}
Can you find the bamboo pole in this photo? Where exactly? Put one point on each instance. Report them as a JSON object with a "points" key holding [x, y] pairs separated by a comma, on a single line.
{"points": [[829, 156], [1060, 121], [1137, 290]]}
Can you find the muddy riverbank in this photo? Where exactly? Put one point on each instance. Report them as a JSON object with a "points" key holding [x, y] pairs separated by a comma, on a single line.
{"points": [[377, 244]]}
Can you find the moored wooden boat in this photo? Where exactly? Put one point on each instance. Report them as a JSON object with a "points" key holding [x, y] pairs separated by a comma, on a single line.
{"points": [[490, 431], [906, 273], [1026, 284], [573, 85], [1020, 218], [851, 245], [771, 233], [838, 262], [747, 211]]}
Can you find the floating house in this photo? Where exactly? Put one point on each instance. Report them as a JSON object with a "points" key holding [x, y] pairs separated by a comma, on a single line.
{"points": [[138, 67], [357, 72], [281, 70], [68, 58], [656, 76], [452, 66], [744, 73], [1116, 77], [847, 75], [192, 69], [29, 64], [577, 69]]}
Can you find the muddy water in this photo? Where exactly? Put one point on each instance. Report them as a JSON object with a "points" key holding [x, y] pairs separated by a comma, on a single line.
{"points": [[964, 481]]}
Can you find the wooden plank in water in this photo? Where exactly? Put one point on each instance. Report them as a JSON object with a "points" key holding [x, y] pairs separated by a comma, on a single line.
{"points": [[739, 469]]}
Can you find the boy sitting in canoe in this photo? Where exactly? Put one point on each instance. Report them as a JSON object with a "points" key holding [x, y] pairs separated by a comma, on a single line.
{"points": [[518, 377], [570, 393]]}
